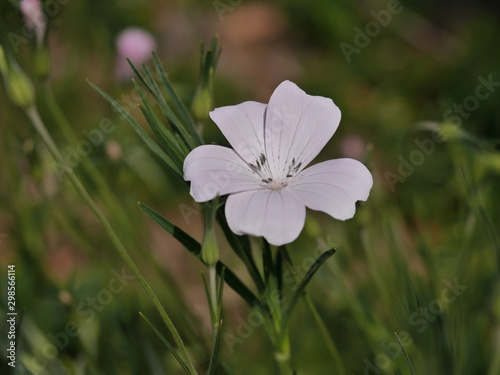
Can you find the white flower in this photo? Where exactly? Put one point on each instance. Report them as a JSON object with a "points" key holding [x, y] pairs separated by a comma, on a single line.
{"points": [[265, 173]]}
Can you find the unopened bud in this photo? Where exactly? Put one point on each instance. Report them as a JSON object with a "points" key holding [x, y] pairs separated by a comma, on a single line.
{"points": [[210, 247], [19, 88], [3, 61], [202, 102]]}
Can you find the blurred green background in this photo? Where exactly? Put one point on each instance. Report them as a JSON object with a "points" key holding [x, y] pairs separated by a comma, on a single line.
{"points": [[420, 258]]}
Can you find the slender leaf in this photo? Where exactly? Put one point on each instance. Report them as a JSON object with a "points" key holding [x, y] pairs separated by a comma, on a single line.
{"points": [[178, 104], [167, 344], [170, 143], [410, 367], [195, 248], [145, 137], [214, 358], [267, 259], [300, 289], [211, 310], [165, 108]]}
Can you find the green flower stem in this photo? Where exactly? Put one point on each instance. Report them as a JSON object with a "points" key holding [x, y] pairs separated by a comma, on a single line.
{"points": [[282, 356], [103, 188], [34, 116], [212, 282]]}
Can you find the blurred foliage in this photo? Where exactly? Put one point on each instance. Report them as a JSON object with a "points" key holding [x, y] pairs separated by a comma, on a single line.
{"points": [[394, 259]]}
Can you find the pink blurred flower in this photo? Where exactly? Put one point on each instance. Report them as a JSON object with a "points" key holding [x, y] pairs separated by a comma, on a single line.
{"points": [[34, 17], [265, 173], [135, 44], [352, 146]]}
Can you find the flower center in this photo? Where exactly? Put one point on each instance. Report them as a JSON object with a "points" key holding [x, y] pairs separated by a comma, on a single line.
{"points": [[261, 168]]}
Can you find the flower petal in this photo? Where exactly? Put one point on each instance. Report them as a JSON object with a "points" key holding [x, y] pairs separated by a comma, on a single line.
{"points": [[216, 170], [334, 186], [297, 127], [277, 215], [243, 127]]}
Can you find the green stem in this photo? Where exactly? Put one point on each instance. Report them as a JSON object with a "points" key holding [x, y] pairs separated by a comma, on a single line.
{"points": [[212, 282], [282, 356], [34, 116], [103, 188]]}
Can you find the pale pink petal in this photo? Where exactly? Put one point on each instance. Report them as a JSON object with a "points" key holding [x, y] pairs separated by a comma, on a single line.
{"points": [[277, 215], [333, 186], [243, 127], [297, 127], [216, 170]]}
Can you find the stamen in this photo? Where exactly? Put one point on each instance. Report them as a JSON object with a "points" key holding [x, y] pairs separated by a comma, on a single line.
{"points": [[297, 167], [262, 159], [253, 168]]}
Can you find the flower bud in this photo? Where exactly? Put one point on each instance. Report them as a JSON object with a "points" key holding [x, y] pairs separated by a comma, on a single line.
{"points": [[19, 88], [3, 62], [203, 97], [210, 247], [203, 102]]}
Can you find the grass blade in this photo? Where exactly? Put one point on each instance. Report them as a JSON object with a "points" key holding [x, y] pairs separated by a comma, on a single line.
{"points": [[300, 289], [167, 344]]}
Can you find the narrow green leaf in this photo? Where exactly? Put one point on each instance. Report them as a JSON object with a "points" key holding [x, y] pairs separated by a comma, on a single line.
{"points": [[211, 309], [167, 344], [165, 108], [195, 248], [145, 137], [300, 289], [267, 259], [410, 367], [214, 358], [189, 242], [221, 290], [178, 104], [167, 139], [171, 150]]}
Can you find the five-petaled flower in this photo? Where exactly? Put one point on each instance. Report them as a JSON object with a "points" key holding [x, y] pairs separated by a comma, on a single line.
{"points": [[265, 172]]}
